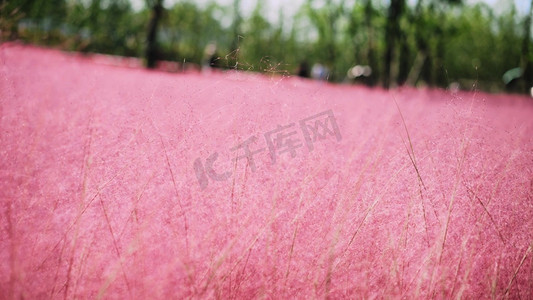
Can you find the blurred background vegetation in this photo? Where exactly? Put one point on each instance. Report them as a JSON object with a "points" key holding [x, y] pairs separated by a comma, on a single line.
{"points": [[443, 43]]}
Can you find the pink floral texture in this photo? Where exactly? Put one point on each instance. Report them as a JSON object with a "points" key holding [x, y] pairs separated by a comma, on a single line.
{"points": [[428, 194]]}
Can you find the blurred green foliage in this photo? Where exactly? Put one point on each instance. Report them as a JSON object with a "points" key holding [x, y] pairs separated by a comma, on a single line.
{"points": [[433, 42]]}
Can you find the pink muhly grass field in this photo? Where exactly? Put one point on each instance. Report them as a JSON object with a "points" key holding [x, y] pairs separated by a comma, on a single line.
{"points": [[428, 194]]}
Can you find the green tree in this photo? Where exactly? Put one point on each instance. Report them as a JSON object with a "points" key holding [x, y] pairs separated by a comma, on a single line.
{"points": [[326, 21], [188, 29]]}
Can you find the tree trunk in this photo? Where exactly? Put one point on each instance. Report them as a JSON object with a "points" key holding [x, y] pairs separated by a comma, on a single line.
{"points": [[371, 48], [233, 58], [151, 40], [391, 37], [404, 59], [420, 65], [525, 61]]}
